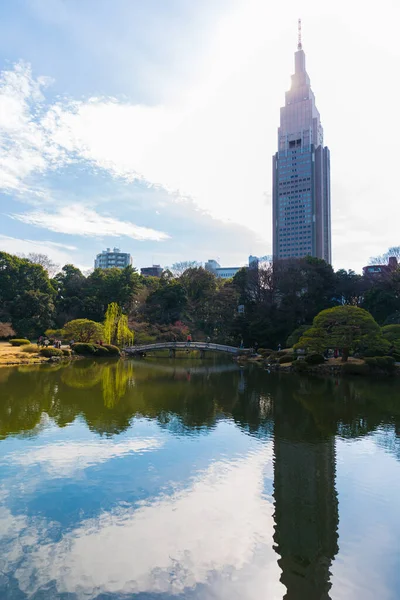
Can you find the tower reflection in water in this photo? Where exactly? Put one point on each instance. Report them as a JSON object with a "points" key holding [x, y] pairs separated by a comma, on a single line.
{"points": [[306, 505]]}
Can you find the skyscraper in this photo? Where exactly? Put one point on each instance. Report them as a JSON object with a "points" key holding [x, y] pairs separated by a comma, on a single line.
{"points": [[301, 174]]}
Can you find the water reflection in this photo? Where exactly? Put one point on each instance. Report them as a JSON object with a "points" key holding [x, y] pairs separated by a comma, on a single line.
{"points": [[178, 480]]}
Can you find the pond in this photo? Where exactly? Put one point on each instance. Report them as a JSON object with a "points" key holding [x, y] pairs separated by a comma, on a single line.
{"points": [[195, 479]]}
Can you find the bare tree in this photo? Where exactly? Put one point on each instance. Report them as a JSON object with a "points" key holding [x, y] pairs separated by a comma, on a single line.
{"points": [[178, 268], [44, 261], [383, 259]]}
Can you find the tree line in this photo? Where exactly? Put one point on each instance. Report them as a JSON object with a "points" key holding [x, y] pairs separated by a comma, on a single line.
{"points": [[262, 305]]}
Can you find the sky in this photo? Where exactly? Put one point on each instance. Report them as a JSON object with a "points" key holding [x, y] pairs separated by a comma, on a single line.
{"points": [[150, 126]]}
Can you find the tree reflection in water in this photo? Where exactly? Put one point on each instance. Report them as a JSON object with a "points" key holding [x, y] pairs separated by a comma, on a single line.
{"points": [[301, 415]]}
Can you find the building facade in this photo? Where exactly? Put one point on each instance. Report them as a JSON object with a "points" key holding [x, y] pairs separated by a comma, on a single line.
{"points": [[301, 174], [222, 272], [154, 271], [381, 270], [109, 259]]}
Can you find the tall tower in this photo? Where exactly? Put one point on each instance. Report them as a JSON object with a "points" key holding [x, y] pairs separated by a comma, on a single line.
{"points": [[301, 174]]}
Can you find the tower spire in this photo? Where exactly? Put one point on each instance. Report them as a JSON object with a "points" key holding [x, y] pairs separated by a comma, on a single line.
{"points": [[299, 44]]}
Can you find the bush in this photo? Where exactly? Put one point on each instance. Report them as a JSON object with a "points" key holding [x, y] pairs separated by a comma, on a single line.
{"points": [[314, 359], [355, 369], [381, 363], [300, 366], [100, 350], [281, 353], [287, 358], [112, 350], [49, 352], [90, 349], [31, 348], [17, 342], [66, 351], [83, 348]]}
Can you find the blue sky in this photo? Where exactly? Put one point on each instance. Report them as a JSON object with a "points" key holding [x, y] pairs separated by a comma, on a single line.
{"points": [[151, 125]]}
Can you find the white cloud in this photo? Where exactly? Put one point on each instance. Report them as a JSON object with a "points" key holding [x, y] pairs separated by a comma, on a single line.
{"points": [[65, 460], [54, 250], [215, 138], [25, 146], [80, 220], [217, 531]]}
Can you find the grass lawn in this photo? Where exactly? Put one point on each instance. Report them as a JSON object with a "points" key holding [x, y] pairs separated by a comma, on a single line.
{"points": [[13, 355]]}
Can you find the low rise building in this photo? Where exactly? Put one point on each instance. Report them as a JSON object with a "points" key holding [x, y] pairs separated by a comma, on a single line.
{"points": [[154, 271], [109, 259], [223, 272], [379, 270]]}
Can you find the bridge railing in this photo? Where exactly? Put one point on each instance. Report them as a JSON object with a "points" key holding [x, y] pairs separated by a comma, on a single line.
{"points": [[185, 346]]}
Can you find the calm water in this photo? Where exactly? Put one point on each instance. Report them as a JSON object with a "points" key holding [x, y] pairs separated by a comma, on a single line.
{"points": [[197, 480]]}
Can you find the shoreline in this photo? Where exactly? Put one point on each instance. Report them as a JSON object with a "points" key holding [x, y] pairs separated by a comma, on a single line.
{"points": [[333, 368]]}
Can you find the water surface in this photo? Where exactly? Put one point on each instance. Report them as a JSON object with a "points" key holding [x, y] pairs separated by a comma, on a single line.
{"points": [[197, 480]]}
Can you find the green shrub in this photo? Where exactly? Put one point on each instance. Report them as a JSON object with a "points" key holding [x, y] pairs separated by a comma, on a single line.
{"points": [[112, 350], [281, 353], [287, 358], [90, 349], [18, 342], [50, 351], [83, 349], [381, 363], [355, 369], [30, 348], [100, 350], [314, 359], [300, 366], [66, 351]]}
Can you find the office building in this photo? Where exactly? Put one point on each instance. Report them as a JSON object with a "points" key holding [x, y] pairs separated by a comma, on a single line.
{"points": [[223, 272], [109, 259], [301, 174], [154, 271]]}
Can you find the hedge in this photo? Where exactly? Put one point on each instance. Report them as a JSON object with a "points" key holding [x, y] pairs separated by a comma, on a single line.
{"points": [[95, 349], [50, 352], [287, 358], [314, 359], [300, 366], [112, 350], [18, 342], [355, 369], [66, 351], [382, 363]]}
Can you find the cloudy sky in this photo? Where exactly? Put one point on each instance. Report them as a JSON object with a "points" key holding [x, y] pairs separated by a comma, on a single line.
{"points": [[151, 125]]}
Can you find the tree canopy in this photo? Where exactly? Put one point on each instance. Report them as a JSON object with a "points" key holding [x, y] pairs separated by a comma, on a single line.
{"points": [[343, 327]]}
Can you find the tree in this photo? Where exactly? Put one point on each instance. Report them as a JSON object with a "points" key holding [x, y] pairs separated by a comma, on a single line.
{"points": [[83, 330], [116, 329], [349, 287], [383, 259], [383, 298], [167, 303], [343, 327], [295, 336], [44, 261], [178, 268], [32, 313], [6, 330]]}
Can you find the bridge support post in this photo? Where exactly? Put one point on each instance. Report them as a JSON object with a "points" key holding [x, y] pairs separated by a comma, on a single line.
{"points": [[172, 352], [202, 353]]}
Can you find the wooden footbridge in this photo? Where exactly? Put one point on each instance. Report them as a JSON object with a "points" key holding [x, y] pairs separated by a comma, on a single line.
{"points": [[202, 347]]}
